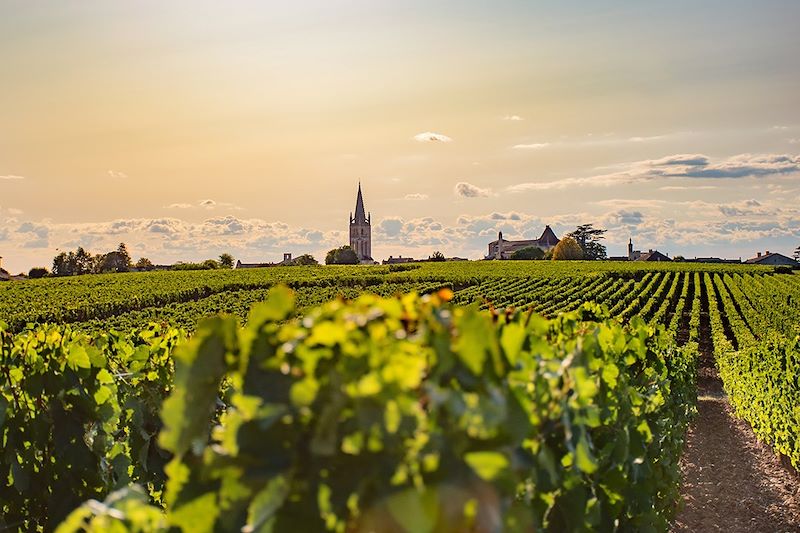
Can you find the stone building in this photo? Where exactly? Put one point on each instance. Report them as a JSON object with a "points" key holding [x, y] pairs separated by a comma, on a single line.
{"points": [[361, 231], [773, 259], [649, 255], [504, 249]]}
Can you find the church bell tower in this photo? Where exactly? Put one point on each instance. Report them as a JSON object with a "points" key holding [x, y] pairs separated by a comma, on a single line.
{"points": [[361, 231]]}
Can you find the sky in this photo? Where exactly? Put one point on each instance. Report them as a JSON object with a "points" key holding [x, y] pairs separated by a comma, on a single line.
{"points": [[191, 128]]}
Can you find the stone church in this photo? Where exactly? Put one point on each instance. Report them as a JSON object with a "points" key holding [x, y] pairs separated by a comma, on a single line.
{"points": [[361, 231]]}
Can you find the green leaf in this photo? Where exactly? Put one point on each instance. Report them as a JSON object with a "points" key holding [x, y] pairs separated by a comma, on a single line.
{"points": [[415, 511], [488, 465], [77, 357], [102, 394], [199, 367], [104, 377], [511, 340], [199, 515], [584, 459], [304, 392], [266, 503], [279, 305]]}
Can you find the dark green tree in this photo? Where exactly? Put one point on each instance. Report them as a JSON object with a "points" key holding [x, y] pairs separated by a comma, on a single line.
{"points": [[64, 264], [144, 264], [226, 260], [113, 262], [529, 252], [797, 254], [37, 272], [305, 260], [588, 238], [343, 255], [84, 261], [122, 250], [437, 257]]}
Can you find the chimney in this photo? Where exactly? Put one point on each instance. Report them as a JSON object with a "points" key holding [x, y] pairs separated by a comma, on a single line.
{"points": [[766, 253], [758, 254], [287, 256], [650, 251]]}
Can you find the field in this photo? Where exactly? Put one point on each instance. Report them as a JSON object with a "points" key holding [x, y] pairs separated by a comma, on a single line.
{"points": [[530, 409]]}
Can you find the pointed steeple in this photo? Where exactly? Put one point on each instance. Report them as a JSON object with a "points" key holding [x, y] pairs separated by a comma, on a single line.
{"points": [[361, 216]]}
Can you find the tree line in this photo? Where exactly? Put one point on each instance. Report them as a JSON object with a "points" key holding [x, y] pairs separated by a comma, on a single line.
{"points": [[583, 243]]}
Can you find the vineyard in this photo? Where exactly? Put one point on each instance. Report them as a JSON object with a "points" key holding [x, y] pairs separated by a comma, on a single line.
{"points": [[511, 396]]}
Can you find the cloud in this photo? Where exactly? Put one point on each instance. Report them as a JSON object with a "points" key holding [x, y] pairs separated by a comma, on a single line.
{"points": [[11, 177], [116, 174], [467, 190], [532, 146], [625, 218], [647, 138], [513, 118], [416, 196], [391, 227], [687, 187], [679, 166], [431, 137], [204, 204]]}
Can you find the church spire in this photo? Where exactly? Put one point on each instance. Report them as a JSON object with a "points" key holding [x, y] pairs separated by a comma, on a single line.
{"points": [[361, 216]]}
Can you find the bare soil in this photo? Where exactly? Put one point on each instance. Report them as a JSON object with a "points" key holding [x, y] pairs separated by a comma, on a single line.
{"points": [[731, 481]]}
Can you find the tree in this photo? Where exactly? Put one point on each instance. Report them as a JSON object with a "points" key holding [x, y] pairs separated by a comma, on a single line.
{"points": [[144, 264], [37, 272], [588, 238], [343, 255], [226, 260], [113, 262], [529, 253], [797, 254], [65, 264], [84, 262], [305, 260], [437, 257], [122, 250], [567, 249], [210, 264]]}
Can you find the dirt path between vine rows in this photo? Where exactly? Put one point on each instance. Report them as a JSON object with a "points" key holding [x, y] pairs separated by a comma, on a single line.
{"points": [[731, 481]]}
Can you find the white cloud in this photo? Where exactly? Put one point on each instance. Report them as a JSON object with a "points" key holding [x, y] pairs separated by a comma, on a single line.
{"points": [[532, 146], [513, 118], [11, 177], [647, 139], [429, 136], [679, 166], [468, 190], [687, 187], [416, 196], [116, 174], [204, 204]]}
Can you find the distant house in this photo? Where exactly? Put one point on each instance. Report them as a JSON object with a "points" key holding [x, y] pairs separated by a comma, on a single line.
{"points": [[772, 259], [504, 249], [287, 260], [649, 255], [713, 260], [398, 260]]}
